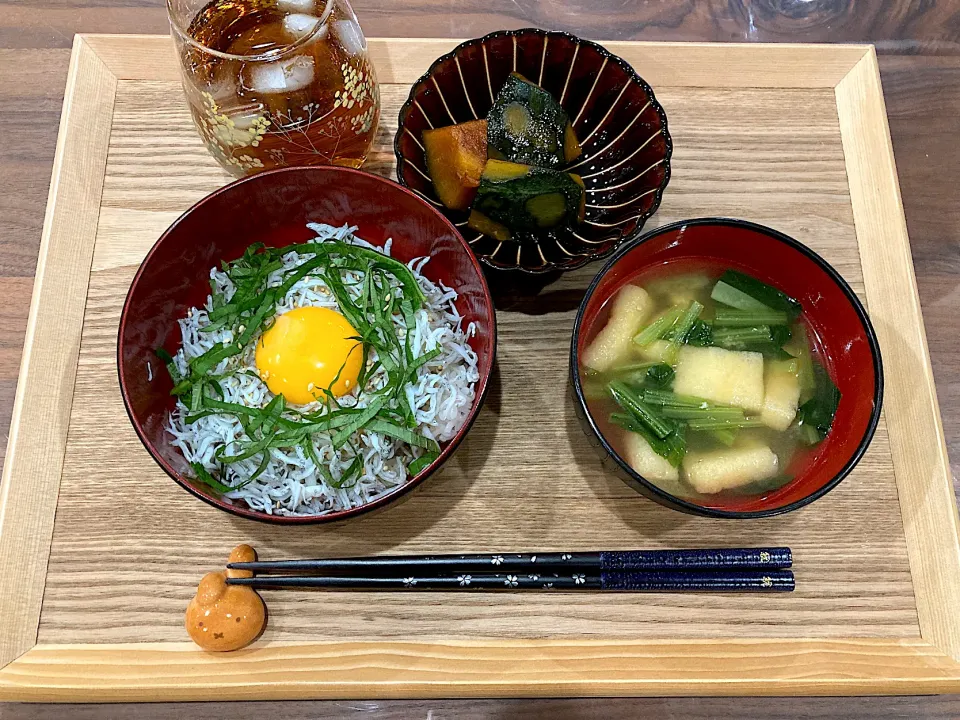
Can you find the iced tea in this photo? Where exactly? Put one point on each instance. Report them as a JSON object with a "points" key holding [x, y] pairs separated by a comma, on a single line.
{"points": [[275, 83]]}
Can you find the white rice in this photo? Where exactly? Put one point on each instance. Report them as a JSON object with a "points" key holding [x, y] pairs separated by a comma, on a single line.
{"points": [[441, 398]]}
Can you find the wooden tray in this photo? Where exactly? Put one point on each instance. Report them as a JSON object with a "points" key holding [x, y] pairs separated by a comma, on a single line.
{"points": [[100, 552]]}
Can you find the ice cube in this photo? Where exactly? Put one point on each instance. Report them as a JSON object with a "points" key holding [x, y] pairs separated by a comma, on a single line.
{"points": [[297, 6], [245, 116], [299, 25], [217, 85], [348, 32], [223, 89], [282, 76]]}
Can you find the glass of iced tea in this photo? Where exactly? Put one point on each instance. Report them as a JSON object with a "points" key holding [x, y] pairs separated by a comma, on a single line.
{"points": [[274, 83]]}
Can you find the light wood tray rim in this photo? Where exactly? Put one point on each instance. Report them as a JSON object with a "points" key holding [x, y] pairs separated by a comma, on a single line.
{"points": [[178, 671]]}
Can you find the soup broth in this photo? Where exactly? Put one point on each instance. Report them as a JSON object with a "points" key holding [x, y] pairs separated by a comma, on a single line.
{"points": [[707, 382]]}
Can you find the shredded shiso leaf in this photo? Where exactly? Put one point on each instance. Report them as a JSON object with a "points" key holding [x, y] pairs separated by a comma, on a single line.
{"points": [[378, 295]]}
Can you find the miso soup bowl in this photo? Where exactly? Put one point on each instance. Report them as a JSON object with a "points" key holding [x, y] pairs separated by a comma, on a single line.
{"points": [[273, 207], [833, 312]]}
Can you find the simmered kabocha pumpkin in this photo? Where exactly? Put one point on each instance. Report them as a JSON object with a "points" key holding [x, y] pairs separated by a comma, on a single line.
{"points": [[481, 223], [527, 125], [455, 157], [571, 144], [524, 197]]}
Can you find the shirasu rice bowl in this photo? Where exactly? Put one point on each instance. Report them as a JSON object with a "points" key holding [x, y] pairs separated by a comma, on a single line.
{"points": [[330, 474]]}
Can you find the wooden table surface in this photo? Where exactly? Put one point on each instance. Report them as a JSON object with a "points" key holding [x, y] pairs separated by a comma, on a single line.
{"points": [[920, 64]]}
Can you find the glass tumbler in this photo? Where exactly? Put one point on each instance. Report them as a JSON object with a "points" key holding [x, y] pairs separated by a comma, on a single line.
{"points": [[275, 83]]}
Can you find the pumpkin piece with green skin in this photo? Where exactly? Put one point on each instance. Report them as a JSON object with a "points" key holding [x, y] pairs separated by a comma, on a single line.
{"points": [[527, 125], [527, 198]]}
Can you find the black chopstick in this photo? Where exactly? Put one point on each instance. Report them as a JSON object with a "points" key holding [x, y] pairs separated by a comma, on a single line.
{"points": [[733, 580], [775, 558]]}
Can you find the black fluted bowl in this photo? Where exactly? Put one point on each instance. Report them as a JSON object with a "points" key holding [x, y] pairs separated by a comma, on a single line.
{"points": [[626, 146]]}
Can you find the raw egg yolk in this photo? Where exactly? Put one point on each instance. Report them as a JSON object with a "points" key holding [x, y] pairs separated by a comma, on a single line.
{"points": [[305, 350]]}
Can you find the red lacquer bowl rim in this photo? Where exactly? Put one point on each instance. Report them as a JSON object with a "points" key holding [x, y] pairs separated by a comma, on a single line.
{"points": [[588, 256], [670, 500], [482, 385]]}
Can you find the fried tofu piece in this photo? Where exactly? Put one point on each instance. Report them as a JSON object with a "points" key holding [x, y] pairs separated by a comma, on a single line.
{"points": [[722, 376], [711, 472], [614, 343]]}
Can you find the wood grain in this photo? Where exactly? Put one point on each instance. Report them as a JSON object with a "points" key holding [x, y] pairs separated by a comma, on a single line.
{"points": [[403, 60], [31, 472], [739, 142], [172, 671], [926, 494], [921, 97], [921, 93], [695, 708], [895, 25], [923, 104], [732, 148]]}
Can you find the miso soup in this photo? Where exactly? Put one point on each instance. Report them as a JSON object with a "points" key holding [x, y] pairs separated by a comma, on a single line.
{"points": [[707, 381]]}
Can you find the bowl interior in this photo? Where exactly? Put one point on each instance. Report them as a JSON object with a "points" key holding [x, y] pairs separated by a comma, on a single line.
{"points": [[625, 165], [273, 208], [832, 312]]}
